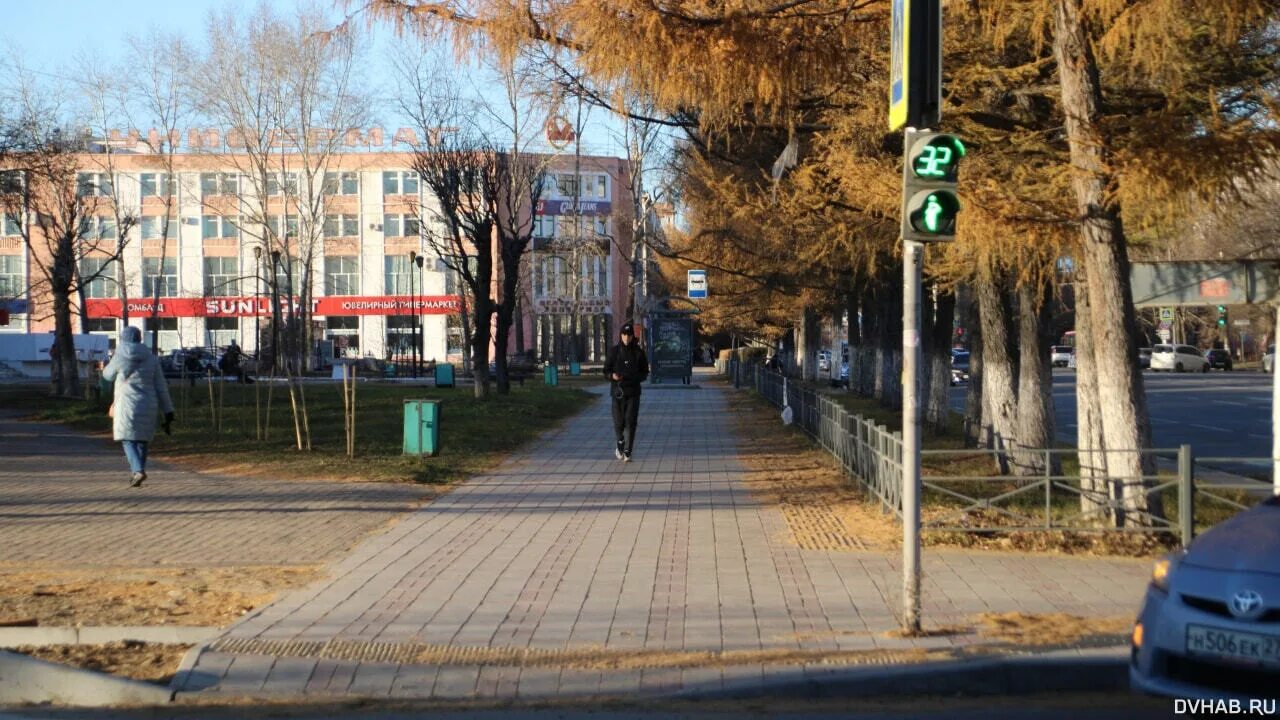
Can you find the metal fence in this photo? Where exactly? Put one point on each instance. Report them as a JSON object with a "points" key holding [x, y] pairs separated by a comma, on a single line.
{"points": [[867, 451], [1183, 492]]}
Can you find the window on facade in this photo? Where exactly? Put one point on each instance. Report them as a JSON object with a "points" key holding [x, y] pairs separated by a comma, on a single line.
{"points": [[401, 225], [160, 277], [217, 226], [222, 330], [104, 325], [396, 275], [544, 226], [595, 276], [273, 222], [152, 227], [99, 274], [344, 332], [9, 225], [288, 275], [219, 184], [399, 182], [567, 185], [344, 183], [341, 225], [94, 184], [11, 277], [10, 182], [341, 276], [290, 184], [98, 228], [221, 276], [400, 334], [157, 185]]}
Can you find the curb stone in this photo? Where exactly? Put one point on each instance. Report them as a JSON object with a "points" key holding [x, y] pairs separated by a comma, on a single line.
{"points": [[95, 635], [26, 680], [1068, 671]]}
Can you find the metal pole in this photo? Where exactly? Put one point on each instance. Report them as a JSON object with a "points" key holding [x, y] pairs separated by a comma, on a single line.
{"points": [[1275, 415], [1186, 495], [911, 262]]}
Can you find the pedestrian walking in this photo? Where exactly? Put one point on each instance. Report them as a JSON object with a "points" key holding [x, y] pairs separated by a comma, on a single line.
{"points": [[141, 394], [626, 367]]}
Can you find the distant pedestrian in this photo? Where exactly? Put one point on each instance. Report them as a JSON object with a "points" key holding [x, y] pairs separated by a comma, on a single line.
{"points": [[229, 364], [141, 394], [626, 367]]}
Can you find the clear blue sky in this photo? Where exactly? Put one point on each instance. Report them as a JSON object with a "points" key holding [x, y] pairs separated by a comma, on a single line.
{"points": [[48, 34]]}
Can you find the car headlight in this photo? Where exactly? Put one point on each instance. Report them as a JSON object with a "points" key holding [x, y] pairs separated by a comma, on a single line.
{"points": [[1163, 570]]}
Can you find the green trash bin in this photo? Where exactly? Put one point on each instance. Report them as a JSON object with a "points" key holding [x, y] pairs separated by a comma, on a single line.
{"points": [[106, 388], [444, 375], [550, 375], [575, 368], [421, 427]]}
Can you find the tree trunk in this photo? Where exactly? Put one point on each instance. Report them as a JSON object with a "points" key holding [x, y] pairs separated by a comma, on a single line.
{"points": [[1035, 381], [1125, 423], [1095, 493], [999, 392], [938, 343], [480, 346], [65, 372], [973, 404]]}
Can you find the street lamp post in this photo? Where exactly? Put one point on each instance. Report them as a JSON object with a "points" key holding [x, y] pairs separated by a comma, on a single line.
{"points": [[275, 308], [417, 316], [413, 301]]}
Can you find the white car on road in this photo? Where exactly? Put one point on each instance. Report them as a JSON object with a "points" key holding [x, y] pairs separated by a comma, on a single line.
{"points": [[1269, 360], [1178, 358]]}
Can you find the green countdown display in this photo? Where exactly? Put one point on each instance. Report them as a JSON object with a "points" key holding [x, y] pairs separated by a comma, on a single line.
{"points": [[930, 205]]}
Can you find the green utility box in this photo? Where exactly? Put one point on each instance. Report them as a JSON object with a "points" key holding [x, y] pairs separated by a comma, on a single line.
{"points": [[575, 368], [421, 427], [444, 375], [551, 375]]}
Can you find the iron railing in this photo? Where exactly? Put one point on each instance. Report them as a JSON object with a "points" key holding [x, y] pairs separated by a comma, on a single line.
{"points": [[1038, 496]]}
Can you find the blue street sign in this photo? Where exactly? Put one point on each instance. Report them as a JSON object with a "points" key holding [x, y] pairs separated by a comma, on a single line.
{"points": [[697, 284]]}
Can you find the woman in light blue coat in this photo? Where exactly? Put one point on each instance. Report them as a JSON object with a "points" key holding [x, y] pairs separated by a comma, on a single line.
{"points": [[141, 394]]}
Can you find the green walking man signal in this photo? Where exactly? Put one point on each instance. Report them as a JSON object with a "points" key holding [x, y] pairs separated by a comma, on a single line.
{"points": [[929, 174]]}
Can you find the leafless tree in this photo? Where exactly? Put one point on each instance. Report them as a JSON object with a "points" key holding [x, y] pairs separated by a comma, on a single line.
{"points": [[289, 93]]}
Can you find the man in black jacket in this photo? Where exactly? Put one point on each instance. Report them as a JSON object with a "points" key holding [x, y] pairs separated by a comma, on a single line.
{"points": [[626, 367]]}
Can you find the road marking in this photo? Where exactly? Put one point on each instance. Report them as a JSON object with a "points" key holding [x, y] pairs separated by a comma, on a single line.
{"points": [[1260, 437], [1231, 402], [1207, 427]]}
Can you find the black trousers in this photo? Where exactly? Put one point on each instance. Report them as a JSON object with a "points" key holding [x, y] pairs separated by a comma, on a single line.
{"points": [[625, 412]]}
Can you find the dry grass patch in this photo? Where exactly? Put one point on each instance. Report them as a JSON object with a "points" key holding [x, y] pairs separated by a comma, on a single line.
{"points": [[1053, 628], [142, 596], [137, 660]]}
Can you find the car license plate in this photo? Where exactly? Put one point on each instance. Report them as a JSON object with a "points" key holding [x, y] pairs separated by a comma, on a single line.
{"points": [[1231, 644]]}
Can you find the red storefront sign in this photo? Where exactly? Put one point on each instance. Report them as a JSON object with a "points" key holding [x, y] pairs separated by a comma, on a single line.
{"points": [[248, 307]]}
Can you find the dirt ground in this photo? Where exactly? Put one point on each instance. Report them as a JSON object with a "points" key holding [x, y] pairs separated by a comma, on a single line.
{"points": [[140, 596]]}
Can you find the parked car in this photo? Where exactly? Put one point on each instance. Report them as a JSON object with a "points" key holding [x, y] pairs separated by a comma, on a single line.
{"points": [[1060, 355], [1178, 358], [824, 361], [959, 366], [1269, 359], [1218, 358], [1144, 358], [1207, 628]]}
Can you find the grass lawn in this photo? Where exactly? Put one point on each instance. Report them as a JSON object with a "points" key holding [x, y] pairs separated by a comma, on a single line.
{"points": [[474, 435]]}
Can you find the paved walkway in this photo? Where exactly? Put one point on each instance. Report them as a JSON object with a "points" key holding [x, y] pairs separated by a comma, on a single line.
{"points": [[565, 550], [65, 501]]}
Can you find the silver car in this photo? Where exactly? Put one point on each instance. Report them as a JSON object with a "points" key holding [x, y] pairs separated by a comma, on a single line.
{"points": [[1210, 623]]}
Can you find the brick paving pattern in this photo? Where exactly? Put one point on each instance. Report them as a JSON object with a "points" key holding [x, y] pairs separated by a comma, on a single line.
{"points": [[565, 548], [64, 500]]}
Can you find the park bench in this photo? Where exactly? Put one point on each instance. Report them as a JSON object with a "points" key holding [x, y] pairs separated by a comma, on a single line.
{"points": [[520, 368]]}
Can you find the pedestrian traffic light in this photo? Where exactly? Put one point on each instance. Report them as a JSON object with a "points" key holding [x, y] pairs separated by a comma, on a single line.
{"points": [[929, 174], [1222, 316]]}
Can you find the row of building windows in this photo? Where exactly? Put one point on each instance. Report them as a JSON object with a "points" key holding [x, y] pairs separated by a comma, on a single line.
{"points": [[223, 277], [591, 186]]}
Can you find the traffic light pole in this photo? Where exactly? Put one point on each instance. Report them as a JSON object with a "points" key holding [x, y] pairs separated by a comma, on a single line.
{"points": [[912, 256], [1275, 416]]}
